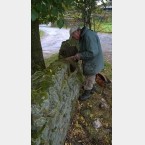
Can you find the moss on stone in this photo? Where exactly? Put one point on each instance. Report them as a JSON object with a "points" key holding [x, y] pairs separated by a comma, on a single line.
{"points": [[41, 81], [54, 94]]}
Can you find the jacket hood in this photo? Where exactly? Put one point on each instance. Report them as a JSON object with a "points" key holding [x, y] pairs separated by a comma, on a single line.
{"points": [[83, 31]]}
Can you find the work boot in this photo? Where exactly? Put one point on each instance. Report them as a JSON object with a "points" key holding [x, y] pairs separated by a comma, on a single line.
{"points": [[85, 95]]}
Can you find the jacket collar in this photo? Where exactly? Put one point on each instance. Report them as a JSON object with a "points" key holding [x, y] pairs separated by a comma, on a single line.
{"points": [[83, 31]]}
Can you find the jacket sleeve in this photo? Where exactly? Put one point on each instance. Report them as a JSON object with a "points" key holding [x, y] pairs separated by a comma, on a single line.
{"points": [[91, 47]]}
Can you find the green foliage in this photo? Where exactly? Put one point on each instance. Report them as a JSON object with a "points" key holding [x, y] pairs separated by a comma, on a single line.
{"points": [[51, 59], [102, 22], [34, 15], [60, 23], [41, 33], [107, 69], [88, 13], [86, 7], [106, 27], [49, 10], [40, 82], [103, 27]]}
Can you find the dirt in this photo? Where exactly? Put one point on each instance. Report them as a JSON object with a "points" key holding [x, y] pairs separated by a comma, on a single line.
{"points": [[92, 122], [84, 129]]}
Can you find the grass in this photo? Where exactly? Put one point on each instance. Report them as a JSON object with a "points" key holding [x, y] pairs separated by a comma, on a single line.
{"points": [[42, 33], [51, 59], [107, 69], [106, 27]]}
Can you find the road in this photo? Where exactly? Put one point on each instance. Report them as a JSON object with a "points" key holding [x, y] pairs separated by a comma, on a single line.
{"points": [[53, 38]]}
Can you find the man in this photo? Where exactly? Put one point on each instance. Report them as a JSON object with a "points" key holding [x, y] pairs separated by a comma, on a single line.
{"points": [[90, 52]]}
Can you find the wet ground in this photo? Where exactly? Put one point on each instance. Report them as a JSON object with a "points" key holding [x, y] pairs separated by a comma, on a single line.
{"points": [[53, 38]]}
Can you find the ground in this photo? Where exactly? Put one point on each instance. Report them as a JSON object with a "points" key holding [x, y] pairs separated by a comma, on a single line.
{"points": [[92, 121]]}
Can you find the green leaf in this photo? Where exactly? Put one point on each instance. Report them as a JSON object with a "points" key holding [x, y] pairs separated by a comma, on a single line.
{"points": [[54, 11], [38, 7], [60, 23], [34, 15]]}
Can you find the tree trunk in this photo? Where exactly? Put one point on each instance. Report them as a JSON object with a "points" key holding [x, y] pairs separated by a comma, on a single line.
{"points": [[37, 60], [89, 23], [94, 25]]}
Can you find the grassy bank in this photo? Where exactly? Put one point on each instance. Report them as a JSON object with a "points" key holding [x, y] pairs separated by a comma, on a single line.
{"points": [[42, 33], [51, 59], [108, 70], [105, 27]]}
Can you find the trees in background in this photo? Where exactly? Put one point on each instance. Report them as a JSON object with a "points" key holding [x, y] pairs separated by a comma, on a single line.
{"points": [[86, 8], [45, 11], [90, 13]]}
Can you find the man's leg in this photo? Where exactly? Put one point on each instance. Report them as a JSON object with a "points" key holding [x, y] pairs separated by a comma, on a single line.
{"points": [[89, 82]]}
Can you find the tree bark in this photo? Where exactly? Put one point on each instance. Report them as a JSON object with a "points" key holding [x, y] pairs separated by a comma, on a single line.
{"points": [[37, 60]]}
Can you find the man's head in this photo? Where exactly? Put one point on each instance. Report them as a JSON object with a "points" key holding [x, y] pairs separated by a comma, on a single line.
{"points": [[75, 32]]}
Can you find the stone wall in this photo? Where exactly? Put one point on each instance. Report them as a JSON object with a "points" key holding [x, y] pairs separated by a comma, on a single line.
{"points": [[54, 96]]}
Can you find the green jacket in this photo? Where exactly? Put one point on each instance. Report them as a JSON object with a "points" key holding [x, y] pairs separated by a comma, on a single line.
{"points": [[90, 52]]}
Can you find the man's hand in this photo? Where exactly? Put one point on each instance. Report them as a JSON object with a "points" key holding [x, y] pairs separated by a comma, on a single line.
{"points": [[69, 58], [75, 57]]}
